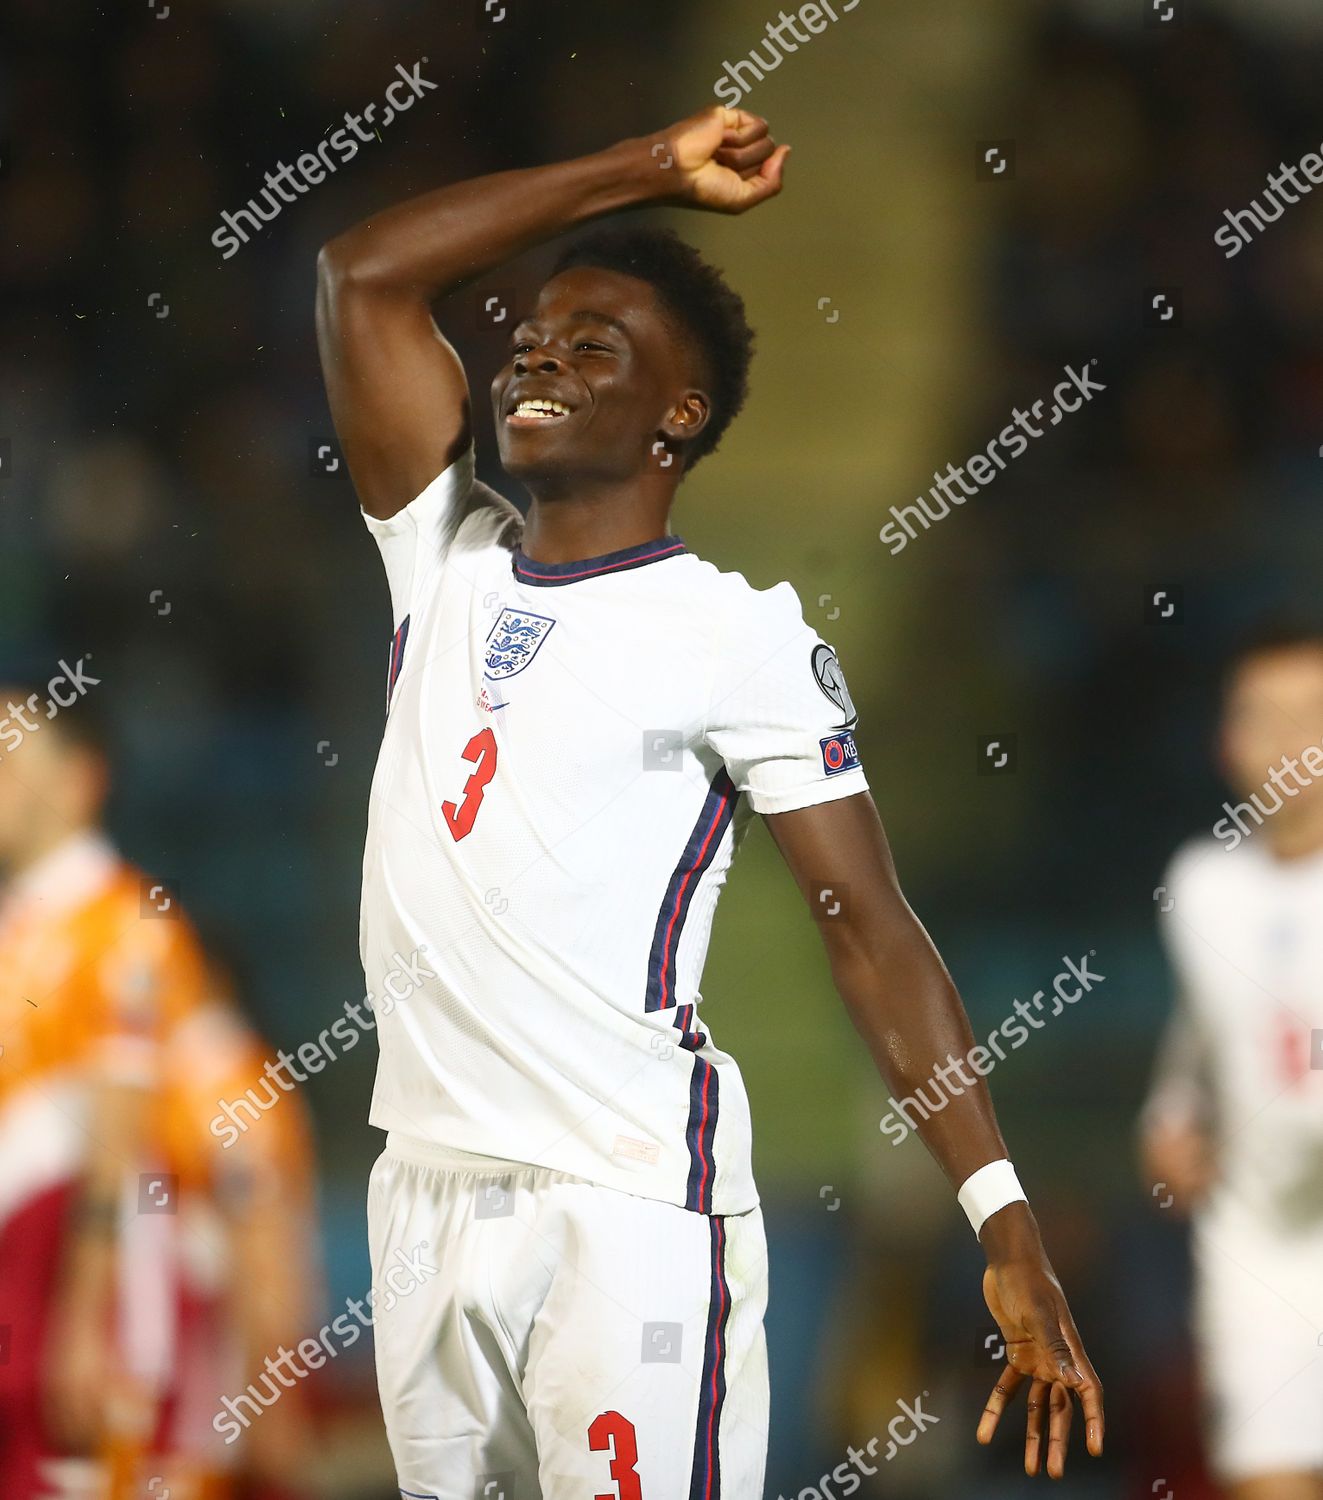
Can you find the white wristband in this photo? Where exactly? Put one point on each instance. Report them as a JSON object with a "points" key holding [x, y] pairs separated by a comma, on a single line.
{"points": [[990, 1188]]}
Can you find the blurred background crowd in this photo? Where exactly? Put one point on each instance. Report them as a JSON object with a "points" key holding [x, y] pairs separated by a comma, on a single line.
{"points": [[164, 511]]}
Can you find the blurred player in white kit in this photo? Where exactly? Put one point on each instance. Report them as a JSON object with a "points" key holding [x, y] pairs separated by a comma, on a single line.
{"points": [[1233, 1128]]}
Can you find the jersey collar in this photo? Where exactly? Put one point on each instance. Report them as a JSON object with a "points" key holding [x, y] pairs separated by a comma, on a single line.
{"points": [[552, 575]]}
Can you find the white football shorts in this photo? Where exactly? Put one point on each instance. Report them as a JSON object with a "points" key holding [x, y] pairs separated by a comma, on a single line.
{"points": [[540, 1337], [1259, 1332]]}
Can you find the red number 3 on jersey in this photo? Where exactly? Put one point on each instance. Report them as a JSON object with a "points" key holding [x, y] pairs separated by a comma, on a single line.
{"points": [[1292, 1045], [481, 752]]}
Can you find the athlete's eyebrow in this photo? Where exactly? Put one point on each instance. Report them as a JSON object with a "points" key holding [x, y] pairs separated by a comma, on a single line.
{"points": [[581, 315], [587, 314]]}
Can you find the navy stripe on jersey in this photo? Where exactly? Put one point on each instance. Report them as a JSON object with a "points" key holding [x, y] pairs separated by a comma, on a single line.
{"points": [[700, 1133], [690, 1036], [705, 1481], [699, 852], [397, 657], [551, 575]]}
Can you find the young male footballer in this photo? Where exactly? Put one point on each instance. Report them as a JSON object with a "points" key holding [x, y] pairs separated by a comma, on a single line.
{"points": [[1233, 1127], [582, 719]]}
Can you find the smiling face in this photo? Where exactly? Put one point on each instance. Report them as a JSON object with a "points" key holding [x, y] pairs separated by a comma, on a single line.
{"points": [[597, 376]]}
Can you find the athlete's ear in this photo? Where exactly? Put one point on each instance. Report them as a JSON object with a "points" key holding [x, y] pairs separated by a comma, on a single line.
{"points": [[687, 418]]}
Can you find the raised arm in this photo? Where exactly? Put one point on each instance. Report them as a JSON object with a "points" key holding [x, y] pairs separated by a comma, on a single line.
{"points": [[398, 394], [904, 1005]]}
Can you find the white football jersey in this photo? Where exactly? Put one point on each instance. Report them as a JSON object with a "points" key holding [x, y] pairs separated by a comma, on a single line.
{"points": [[1245, 933], [572, 752]]}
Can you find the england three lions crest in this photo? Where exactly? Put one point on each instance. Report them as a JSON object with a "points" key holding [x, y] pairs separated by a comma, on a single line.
{"points": [[513, 641]]}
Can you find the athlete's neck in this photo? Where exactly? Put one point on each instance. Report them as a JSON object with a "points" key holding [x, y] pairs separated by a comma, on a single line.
{"points": [[553, 543], [1297, 832], [17, 861], [561, 529]]}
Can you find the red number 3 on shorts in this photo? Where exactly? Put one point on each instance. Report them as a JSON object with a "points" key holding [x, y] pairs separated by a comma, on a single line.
{"points": [[615, 1434]]}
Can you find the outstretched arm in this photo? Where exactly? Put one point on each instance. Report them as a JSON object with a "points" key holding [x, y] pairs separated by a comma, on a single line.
{"points": [[397, 390], [906, 1008]]}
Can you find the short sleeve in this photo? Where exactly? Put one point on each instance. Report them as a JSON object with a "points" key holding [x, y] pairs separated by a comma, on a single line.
{"points": [[780, 715], [415, 540]]}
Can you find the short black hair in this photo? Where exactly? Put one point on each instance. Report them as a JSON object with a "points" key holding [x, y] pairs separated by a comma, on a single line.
{"points": [[1269, 635], [693, 292]]}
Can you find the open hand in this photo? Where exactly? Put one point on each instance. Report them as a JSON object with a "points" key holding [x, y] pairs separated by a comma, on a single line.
{"points": [[1042, 1347]]}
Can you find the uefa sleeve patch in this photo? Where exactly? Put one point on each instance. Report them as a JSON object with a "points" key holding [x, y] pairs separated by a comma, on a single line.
{"points": [[827, 672], [839, 753]]}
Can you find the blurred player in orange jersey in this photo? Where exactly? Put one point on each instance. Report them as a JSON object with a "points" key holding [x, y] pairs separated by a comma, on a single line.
{"points": [[125, 1246], [96, 972]]}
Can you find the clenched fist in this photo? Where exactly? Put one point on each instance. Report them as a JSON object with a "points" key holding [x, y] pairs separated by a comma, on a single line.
{"points": [[724, 160]]}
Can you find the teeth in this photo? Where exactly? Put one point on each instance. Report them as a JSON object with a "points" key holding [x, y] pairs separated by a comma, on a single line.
{"points": [[540, 408]]}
